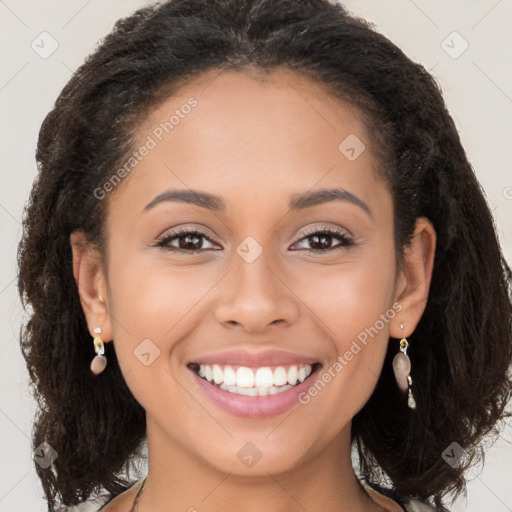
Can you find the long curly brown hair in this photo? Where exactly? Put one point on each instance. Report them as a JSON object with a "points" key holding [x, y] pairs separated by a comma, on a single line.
{"points": [[461, 351]]}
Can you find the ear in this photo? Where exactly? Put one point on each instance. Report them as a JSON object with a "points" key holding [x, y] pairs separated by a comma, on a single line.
{"points": [[413, 280], [90, 280]]}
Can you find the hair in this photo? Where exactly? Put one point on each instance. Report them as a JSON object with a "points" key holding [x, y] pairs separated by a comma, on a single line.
{"points": [[461, 350]]}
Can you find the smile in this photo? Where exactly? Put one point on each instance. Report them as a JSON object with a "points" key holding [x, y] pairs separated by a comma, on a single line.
{"points": [[253, 385]]}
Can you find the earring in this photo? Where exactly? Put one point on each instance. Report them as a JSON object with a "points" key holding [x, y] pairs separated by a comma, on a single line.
{"points": [[99, 363], [402, 370]]}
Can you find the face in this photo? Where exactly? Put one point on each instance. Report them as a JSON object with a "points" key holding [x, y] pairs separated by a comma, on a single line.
{"points": [[267, 283]]}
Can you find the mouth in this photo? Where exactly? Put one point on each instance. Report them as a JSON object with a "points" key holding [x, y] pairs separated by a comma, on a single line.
{"points": [[254, 381]]}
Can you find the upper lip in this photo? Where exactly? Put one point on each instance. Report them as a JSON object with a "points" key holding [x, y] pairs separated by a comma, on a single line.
{"points": [[241, 357]]}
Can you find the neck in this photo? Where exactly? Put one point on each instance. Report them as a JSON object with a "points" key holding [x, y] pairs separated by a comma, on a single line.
{"points": [[180, 479]]}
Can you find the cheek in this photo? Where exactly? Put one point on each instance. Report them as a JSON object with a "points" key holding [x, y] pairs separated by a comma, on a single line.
{"points": [[144, 307], [153, 290], [154, 303], [355, 305], [350, 297]]}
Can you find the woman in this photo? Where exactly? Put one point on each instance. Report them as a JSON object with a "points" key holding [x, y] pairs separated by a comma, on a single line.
{"points": [[256, 243]]}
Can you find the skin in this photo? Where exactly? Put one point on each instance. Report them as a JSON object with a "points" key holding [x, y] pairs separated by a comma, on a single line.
{"points": [[254, 140]]}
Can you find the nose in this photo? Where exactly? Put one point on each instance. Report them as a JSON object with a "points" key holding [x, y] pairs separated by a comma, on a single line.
{"points": [[256, 296]]}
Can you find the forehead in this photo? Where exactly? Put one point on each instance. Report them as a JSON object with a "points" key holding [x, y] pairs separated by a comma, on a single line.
{"points": [[228, 100], [230, 131]]}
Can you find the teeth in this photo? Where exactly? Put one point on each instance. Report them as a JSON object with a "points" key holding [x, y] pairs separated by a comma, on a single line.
{"points": [[280, 377], [264, 378], [218, 376], [271, 390], [293, 373], [229, 376], [244, 377], [255, 381]]}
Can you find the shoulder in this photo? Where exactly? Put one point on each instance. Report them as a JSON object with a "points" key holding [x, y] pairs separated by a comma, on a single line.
{"points": [[92, 505], [100, 502], [405, 503]]}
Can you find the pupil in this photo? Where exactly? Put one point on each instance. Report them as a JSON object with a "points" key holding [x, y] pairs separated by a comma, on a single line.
{"points": [[188, 244], [324, 244]]}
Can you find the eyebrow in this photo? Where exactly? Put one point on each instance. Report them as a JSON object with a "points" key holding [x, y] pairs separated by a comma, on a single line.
{"points": [[298, 201]]}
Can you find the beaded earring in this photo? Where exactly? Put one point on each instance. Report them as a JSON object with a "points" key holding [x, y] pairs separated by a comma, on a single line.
{"points": [[99, 362], [402, 370]]}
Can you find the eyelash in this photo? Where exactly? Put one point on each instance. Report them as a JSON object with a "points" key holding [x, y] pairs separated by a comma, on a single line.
{"points": [[346, 241]]}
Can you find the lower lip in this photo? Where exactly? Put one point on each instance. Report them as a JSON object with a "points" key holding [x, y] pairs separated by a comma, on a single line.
{"points": [[254, 406]]}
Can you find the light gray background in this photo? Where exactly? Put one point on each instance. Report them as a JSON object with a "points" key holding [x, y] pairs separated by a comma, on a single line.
{"points": [[477, 86]]}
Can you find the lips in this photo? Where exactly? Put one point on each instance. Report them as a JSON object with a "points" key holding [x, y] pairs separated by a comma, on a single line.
{"points": [[255, 359], [253, 385]]}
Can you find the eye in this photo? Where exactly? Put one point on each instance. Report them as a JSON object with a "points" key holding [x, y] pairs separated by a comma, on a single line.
{"points": [[189, 240], [321, 239]]}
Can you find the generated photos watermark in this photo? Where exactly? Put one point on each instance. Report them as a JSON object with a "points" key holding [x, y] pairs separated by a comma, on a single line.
{"points": [[152, 141], [343, 360]]}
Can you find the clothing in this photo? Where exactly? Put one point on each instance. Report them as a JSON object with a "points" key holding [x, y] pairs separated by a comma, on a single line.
{"points": [[398, 504], [395, 505]]}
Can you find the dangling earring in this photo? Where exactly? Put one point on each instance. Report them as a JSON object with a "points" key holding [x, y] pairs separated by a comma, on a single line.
{"points": [[402, 370], [99, 363]]}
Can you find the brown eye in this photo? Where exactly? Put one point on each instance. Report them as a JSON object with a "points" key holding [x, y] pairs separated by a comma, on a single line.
{"points": [[320, 240], [188, 241]]}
